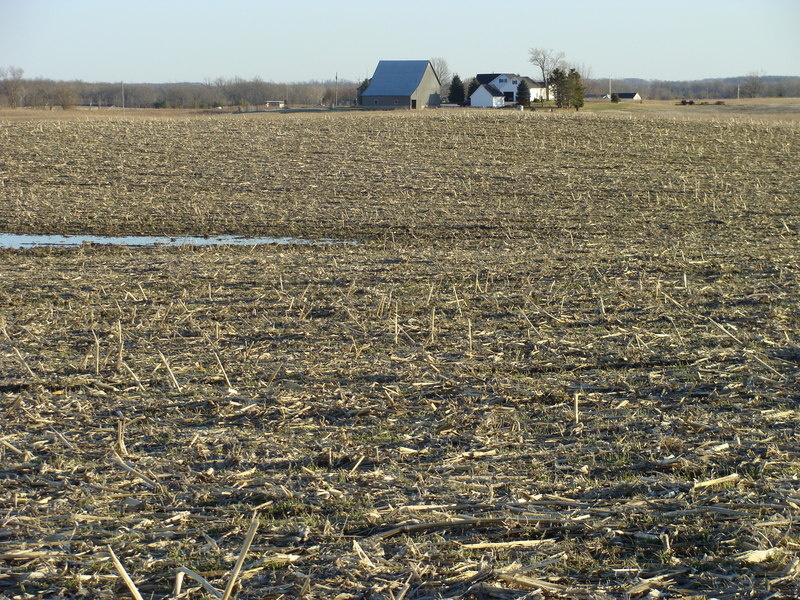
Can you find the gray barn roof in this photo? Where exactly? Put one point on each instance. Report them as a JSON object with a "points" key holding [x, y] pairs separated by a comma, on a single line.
{"points": [[396, 77]]}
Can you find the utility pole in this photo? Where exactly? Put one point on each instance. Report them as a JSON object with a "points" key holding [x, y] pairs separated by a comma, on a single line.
{"points": [[336, 92], [122, 83]]}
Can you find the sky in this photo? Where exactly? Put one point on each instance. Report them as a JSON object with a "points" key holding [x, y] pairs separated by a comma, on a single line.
{"points": [[162, 41]]}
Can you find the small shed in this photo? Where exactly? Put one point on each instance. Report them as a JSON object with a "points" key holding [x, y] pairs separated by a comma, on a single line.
{"points": [[402, 84], [487, 96]]}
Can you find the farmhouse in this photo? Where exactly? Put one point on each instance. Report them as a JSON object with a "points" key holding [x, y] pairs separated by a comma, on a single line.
{"points": [[487, 96], [402, 84], [508, 83]]}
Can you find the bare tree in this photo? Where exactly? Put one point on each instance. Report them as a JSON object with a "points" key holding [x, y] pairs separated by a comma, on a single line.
{"points": [[753, 85], [12, 83], [582, 68], [65, 95], [547, 60], [443, 73]]}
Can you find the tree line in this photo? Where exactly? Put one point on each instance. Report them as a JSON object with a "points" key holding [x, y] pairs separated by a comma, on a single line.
{"points": [[752, 85], [17, 91]]}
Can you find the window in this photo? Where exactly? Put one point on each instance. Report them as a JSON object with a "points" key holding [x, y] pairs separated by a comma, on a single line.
{"points": [[502, 80], [514, 81]]}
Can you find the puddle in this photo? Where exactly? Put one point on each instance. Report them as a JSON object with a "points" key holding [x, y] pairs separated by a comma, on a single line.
{"points": [[22, 240]]}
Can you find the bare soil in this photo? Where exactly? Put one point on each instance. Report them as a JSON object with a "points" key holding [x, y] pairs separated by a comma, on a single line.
{"points": [[562, 362]]}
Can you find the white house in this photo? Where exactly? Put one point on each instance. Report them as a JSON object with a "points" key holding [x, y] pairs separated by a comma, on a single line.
{"points": [[508, 83], [487, 96]]}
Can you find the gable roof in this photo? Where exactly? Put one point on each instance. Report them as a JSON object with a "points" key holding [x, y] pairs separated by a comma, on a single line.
{"points": [[492, 90], [627, 95], [484, 78], [532, 83], [397, 77]]}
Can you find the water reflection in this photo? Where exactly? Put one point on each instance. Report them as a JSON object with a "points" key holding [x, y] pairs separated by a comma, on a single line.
{"points": [[23, 240]]}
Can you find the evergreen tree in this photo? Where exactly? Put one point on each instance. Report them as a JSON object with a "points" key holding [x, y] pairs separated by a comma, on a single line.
{"points": [[558, 81], [360, 90], [473, 85], [523, 93], [456, 94], [575, 89]]}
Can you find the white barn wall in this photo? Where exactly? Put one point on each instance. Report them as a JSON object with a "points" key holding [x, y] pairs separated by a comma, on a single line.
{"points": [[482, 98]]}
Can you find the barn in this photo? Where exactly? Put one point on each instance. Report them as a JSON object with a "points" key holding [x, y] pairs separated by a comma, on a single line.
{"points": [[402, 84]]}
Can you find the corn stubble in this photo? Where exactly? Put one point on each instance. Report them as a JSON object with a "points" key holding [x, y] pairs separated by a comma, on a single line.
{"points": [[562, 362]]}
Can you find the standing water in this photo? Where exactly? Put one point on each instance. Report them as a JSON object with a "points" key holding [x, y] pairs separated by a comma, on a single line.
{"points": [[22, 240]]}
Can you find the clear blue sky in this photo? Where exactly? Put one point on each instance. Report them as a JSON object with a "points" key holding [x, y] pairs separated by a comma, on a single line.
{"points": [[285, 40]]}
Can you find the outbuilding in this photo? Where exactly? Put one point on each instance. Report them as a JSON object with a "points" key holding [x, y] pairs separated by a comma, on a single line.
{"points": [[402, 84], [626, 96], [487, 96]]}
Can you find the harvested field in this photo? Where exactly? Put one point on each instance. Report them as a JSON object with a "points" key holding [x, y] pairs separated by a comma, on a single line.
{"points": [[764, 110], [562, 362]]}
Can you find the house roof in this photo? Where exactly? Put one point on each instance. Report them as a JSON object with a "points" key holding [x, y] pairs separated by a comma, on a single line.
{"points": [[627, 95], [492, 90], [397, 77], [532, 83], [484, 78]]}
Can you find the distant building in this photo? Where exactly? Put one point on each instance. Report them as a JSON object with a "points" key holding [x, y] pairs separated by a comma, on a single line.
{"points": [[508, 84], [402, 84], [623, 96], [274, 104], [487, 96]]}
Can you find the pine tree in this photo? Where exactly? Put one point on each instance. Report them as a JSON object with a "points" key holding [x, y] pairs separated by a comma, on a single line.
{"points": [[523, 93], [575, 89], [360, 90], [558, 81], [456, 94], [473, 85]]}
